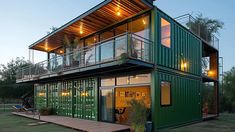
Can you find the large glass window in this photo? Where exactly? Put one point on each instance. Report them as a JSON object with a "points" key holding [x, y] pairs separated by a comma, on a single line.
{"points": [[108, 82], [107, 46], [138, 79], [165, 93], [106, 103], [90, 50], [122, 80], [140, 27], [165, 33]]}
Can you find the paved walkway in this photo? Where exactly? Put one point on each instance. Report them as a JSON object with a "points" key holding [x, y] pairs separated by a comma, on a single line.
{"points": [[78, 124]]}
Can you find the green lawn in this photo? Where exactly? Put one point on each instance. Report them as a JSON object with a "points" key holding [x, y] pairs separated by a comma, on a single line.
{"points": [[225, 123], [12, 123]]}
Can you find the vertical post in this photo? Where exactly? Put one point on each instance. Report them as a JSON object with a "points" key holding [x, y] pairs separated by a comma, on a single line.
{"points": [[141, 50], [73, 97]]}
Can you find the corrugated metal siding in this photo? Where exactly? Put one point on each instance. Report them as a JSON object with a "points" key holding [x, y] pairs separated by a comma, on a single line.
{"points": [[73, 98], [40, 96], [186, 100], [184, 47]]}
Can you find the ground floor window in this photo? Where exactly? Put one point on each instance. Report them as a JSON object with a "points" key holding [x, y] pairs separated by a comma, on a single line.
{"points": [[117, 92], [165, 93]]}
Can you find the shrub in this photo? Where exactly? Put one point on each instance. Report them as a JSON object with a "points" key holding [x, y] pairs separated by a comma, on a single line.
{"points": [[138, 115], [46, 111]]}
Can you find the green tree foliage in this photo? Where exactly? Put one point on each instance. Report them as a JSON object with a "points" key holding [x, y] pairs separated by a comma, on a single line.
{"points": [[8, 86], [228, 97], [205, 26]]}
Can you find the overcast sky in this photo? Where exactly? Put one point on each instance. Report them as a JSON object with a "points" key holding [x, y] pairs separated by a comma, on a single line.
{"points": [[23, 22]]}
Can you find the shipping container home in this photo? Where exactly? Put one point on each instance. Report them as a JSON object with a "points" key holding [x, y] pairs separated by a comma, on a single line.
{"points": [[122, 50]]}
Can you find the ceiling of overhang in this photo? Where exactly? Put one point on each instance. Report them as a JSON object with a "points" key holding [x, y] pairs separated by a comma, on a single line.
{"points": [[96, 20]]}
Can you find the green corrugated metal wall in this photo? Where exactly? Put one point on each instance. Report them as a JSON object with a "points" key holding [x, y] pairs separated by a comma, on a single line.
{"points": [[74, 98], [40, 92], [184, 47], [186, 100], [185, 84]]}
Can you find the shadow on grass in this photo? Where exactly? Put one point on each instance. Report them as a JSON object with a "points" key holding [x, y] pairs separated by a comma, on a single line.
{"points": [[224, 123], [13, 123]]}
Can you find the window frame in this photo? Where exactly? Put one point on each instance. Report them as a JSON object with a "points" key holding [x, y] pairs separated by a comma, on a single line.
{"points": [[165, 105], [170, 37]]}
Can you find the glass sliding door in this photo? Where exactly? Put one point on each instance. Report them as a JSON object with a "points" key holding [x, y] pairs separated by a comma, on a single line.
{"points": [[107, 104]]}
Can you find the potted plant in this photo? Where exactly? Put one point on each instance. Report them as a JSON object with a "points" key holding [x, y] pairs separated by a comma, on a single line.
{"points": [[138, 115], [46, 111]]}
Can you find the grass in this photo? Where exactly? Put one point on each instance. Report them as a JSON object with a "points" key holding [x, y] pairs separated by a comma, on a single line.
{"points": [[12, 123], [225, 123]]}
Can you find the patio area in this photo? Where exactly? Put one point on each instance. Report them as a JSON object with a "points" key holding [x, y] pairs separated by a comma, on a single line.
{"points": [[78, 124]]}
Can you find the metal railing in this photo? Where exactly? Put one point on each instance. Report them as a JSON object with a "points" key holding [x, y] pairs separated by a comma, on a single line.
{"points": [[127, 45], [191, 24]]}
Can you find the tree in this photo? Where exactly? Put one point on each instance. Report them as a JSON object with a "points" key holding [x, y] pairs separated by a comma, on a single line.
{"points": [[8, 87], [205, 27], [228, 98], [52, 29], [8, 71]]}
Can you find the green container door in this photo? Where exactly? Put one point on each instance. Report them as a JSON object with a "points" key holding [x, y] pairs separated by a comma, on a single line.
{"points": [[65, 98], [85, 99], [40, 94], [53, 101]]}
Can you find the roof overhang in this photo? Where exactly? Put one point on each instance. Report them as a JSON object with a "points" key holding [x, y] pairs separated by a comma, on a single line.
{"points": [[95, 19]]}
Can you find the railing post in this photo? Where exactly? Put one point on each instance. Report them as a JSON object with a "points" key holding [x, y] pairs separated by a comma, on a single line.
{"points": [[129, 44], [141, 50]]}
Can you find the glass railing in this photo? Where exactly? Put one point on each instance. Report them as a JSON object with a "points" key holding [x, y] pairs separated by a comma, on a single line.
{"points": [[191, 24], [127, 45]]}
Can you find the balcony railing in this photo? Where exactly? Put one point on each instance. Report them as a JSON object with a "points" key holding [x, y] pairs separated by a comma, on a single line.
{"points": [[127, 45], [190, 23]]}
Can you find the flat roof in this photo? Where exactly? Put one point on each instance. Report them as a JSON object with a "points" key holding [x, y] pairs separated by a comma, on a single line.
{"points": [[95, 19]]}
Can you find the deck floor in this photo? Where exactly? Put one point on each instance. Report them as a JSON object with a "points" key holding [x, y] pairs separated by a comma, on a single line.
{"points": [[209, 116], [78, 124]]}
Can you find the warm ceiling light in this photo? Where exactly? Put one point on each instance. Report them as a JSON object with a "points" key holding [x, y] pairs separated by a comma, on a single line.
{"points": [[144, 22], [118, 10], [61, 51], [81, 28], [118, 13]]}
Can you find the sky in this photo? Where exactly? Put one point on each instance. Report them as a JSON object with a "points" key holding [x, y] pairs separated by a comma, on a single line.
{"points": [[22, 22]]}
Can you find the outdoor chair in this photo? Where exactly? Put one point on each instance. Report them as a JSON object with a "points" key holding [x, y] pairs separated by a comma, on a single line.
{"points": [[29, 110], [17, 108]]}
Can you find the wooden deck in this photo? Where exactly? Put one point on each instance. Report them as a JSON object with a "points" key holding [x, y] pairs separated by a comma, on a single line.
{"points": [[78, 124], [209, 117]]}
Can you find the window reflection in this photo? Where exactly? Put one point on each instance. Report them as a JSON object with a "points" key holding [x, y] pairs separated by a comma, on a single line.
{"points": [[142, 78], [165, 33], [108, 82], [90, 50], [165, 93], [140, 27]]}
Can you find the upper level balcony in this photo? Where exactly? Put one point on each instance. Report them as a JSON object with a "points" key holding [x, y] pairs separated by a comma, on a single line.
{"points": [[111, 36], [126, 49], [194, 26]]}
